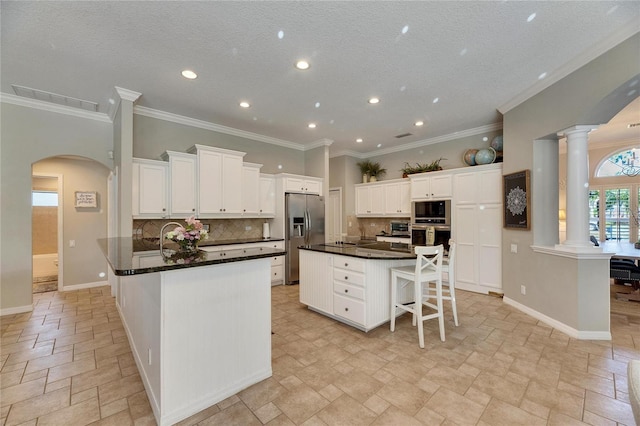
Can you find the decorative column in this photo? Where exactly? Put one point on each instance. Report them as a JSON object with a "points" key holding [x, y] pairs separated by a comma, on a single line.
{"points": [[577, 205]]}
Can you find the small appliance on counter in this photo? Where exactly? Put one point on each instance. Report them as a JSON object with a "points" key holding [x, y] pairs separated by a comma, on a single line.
{"points": [[265, 231], [399, 228]]}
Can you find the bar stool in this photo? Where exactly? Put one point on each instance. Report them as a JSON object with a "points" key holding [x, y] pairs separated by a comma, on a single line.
{"points": [[428, 268], [448, 281]]}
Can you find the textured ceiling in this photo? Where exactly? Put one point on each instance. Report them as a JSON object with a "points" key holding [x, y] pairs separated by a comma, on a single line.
{"points": [[475, 57]]}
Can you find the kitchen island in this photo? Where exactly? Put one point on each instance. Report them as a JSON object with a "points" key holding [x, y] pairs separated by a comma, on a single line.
{"points": [[199, 325], [350, 282]]}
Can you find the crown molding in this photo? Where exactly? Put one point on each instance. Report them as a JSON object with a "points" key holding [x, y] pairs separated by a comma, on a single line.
{"points": [[114, 104], [349, 153], [579, 61], [51, 107], [317, 144], [127, 95], [187, 121]]}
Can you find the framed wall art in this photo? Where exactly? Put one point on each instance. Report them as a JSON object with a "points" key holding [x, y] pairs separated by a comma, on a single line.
{"points": [[517, 200], [86, 199]]}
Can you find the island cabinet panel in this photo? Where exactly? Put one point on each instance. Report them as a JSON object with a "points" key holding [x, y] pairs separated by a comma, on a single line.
{"points": [[350, 289], [198, 335], [316, 281]]}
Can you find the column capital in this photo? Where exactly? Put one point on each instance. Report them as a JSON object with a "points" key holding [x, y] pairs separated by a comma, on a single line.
{"points": [[127, 95], [583, 128]]}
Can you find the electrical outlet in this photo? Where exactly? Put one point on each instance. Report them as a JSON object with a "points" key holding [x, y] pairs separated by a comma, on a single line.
{"points": [[72, 243], [523, 290], [373, 224], [514, 248], [247, 228]]}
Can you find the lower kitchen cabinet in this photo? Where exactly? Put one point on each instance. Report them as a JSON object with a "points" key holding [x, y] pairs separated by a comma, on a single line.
{"points": [[349, 289]]}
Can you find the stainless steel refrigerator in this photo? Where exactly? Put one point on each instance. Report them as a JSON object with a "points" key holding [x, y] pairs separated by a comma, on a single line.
{"points": [[305, 226]]}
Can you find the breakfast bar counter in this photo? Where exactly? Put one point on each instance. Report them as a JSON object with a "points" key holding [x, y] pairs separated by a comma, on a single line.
{"points": [[199, 325]]}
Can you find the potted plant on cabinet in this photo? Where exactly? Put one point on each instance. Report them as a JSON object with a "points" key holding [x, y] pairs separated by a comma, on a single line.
{"points": [[421, 168], [376, 171], [365, 166]]}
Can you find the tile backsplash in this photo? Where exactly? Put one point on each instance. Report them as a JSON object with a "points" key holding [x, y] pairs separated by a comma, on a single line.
{"points": [[219, 229], [369, 227]]}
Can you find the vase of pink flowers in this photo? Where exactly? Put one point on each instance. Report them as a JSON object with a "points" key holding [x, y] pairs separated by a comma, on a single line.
{"points": [[188, 237]]}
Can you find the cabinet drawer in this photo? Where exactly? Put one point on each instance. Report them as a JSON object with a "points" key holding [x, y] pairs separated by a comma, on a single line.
{"points": [[348, 276], [277, 273], [277, 261], [350, 309], [350, 263], [348, 290]]}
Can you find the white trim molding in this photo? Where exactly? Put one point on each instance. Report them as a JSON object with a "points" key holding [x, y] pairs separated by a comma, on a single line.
{"points": [[127, 95], [573, 252], [560, 326], [16, 310], [201, 124], [51, 107], [84, 285]]}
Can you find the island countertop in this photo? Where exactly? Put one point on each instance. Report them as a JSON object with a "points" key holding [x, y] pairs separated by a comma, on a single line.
{"points": [[119, 252], [366, 250]]}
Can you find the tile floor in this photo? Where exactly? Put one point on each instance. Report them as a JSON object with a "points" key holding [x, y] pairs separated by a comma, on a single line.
{"points": [[69, 363]]}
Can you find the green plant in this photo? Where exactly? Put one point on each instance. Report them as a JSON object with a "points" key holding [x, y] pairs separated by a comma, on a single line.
{"points": [[365, 166], [376, 170], [421, 168]]}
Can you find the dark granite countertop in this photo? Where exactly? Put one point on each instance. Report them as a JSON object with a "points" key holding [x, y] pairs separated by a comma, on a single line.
{"points": [[120, 255], [146, 244], [366, 250]]}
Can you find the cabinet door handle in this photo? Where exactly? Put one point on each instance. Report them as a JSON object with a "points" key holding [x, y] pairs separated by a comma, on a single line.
{"points": [[346, 290], [346, 277], [346, 264], [164, 210], [346, 309]]}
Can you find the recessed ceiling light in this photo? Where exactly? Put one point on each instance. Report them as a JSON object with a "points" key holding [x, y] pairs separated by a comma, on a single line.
{"points": [[244, 104], [541, 76], [189, 74], [435, 100], [485, 139], [312, 125], [317, 105], [419, 123], [374, 100], [463, 52], [280, 34], [379, 145], [279, 166], [303, 65], [359, 140], [531, 17], [405, 29]]}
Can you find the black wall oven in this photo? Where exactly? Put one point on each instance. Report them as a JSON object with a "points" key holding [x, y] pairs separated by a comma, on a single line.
{"points": [[431, 212]]}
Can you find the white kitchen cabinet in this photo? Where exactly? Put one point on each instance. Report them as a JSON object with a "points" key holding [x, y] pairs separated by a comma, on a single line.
{"points": [[302, 184], [220, 180], [437, 186], [251, 189], [397, 198], [349, 289], [267, 204], [182, 184], [370, 200], [149, 188], [477, 228]]}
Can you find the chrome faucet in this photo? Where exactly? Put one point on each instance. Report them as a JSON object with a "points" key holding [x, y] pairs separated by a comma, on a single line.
{"points": [[162, 233]]}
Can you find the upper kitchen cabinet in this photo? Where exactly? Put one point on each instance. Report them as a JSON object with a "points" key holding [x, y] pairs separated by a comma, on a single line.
{"points": [[267, 195], [431, 186], [398, 198], [182, 184], [251, 189], [301, 184], [150, 188], [370, 200], [220, 179]]}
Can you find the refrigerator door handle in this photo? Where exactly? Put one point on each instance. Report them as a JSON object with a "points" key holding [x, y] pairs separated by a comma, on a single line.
{"points": [[307, 222]]}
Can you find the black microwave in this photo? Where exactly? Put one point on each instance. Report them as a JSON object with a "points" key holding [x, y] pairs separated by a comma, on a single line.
{"points": [[431, 212]]}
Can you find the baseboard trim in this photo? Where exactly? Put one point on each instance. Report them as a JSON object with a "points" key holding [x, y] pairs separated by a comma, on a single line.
{"points": [[560, 326], [83, 286], [16, 310]]}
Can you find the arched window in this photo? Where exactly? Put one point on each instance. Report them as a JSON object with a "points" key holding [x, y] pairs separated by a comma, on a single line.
{"points": [[622, 163]]}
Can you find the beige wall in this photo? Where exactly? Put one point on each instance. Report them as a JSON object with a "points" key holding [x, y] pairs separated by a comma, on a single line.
{"points": [[551, 283], [29, 135], [45, 229], [152, 137]]}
